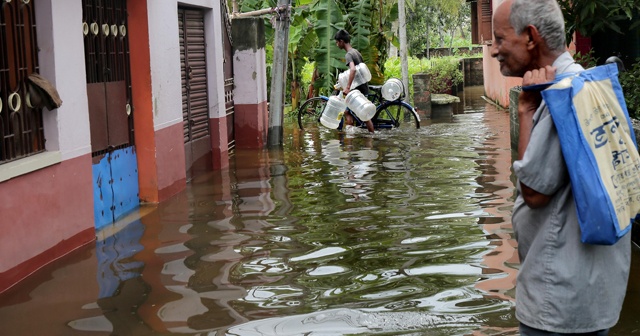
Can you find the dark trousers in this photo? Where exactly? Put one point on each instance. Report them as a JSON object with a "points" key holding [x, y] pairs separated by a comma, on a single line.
{"points": [[528, 331]]}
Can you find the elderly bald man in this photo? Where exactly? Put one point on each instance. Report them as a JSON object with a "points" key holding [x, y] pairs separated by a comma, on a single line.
{"points": [[564, 287]]}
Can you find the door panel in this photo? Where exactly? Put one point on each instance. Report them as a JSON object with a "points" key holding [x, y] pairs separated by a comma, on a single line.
{"points": [[195, 95], [103, 197], [124, 171], [98, 116], [115, 170], [118, 120]]}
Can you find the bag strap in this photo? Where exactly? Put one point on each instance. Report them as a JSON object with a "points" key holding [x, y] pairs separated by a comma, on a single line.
{"points": [[543, 86]]}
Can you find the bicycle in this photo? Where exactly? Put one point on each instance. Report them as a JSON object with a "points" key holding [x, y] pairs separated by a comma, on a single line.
{"points": [[389, 113]]}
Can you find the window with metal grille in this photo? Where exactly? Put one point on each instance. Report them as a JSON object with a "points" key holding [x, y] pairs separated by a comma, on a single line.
{"points": [[21, 126]]}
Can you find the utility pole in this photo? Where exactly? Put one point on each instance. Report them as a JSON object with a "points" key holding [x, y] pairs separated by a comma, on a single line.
{"points": [[402, 18], [279, 75]]}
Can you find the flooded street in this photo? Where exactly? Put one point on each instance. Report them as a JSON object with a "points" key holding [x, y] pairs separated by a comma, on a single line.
{"points": [[399, 233]]}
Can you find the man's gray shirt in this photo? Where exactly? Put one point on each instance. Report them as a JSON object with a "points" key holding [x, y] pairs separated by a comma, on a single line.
{"points": [[353, 55], [563, 285]]}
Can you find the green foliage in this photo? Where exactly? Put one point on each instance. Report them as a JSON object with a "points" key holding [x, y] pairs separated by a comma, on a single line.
{"points": [[368, 22], [328, 57], [438, 23], [306, 73], [586, 60], [302, 41], [382, 16], [444, 71], [393, 69], [444, 74], [630, 81], [314, 23], [592, 16], [359, 22], [466, 52]]}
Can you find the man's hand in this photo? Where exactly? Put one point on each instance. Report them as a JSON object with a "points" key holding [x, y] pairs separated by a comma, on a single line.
{"points": [[530, 100], [346, 91]]}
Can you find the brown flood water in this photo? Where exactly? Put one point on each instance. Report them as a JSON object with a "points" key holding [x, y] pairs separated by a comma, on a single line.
{"points": [[400, 233]]}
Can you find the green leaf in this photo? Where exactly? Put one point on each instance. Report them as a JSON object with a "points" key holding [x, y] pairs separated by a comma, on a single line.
{"points": [[614, 27], [328, 56], [360, 18]]}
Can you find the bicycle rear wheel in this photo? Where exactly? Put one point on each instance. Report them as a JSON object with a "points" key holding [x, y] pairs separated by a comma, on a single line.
{"points": [[310, 111], [396, 114]]}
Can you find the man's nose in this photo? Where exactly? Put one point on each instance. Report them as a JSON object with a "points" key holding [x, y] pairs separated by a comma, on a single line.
{"points": [[493, 50]]}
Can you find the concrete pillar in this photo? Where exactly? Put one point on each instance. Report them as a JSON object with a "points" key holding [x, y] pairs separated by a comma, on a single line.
{"points": [[514, 123], [421, 94], [472, 70], [250, 76]]}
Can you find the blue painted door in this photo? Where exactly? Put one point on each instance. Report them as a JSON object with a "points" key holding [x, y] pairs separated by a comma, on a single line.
{"points": [[115, 186], [115, 168]]}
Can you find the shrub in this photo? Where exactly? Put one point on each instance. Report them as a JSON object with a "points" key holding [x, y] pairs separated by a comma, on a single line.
{"points": [[444, 74], [444, 71], [586, 60], [393, 69], [630, 82]]}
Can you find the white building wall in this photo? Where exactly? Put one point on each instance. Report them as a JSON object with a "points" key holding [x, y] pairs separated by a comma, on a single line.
{"points": [[215, 56], [165, 63], [61, 60], [253, 70], [164, 43]]}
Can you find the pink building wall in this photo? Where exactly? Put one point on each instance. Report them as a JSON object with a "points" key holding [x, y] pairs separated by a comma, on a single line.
{"points": [[57, 219], [497, 86]]}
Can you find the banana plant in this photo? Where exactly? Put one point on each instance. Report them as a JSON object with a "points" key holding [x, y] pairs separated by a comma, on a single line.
{"points": [[382, 35], [315, 22], [302, 41], [368, 22], [328, 57]]}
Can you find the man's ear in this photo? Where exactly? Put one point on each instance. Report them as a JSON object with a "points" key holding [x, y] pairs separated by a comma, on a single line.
{"points": [[533, 37]]}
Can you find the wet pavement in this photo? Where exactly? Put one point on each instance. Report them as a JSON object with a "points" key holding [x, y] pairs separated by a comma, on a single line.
{"points": [[399, 233]]}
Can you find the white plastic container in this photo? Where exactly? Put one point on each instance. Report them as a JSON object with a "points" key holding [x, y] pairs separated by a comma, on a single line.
{"points": [[392, 89], [363, 70], [343, 79], [333, 111], [360, 105], [362, 76]]}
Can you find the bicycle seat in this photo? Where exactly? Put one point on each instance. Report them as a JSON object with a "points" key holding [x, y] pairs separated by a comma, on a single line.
{"points": [[375, 87]]}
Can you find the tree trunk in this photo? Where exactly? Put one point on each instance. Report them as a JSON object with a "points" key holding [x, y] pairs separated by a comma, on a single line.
{"points": [[441, 33], [463, 35], [312, 90], [402, 20], [453, 32], [428, 40], [295, 94]]}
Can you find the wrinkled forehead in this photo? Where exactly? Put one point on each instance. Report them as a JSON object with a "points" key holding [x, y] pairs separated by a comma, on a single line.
{"points": [[501, 15]]}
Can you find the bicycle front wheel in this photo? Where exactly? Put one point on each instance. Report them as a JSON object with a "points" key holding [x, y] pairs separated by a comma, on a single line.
{"points": [[310, 111], [396, 114]]}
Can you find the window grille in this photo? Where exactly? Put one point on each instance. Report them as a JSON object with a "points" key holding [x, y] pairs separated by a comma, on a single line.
{"points": [[21, 127]]}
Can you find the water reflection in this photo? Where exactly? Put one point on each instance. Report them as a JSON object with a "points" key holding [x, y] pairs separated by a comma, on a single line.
{"points": [[391, 234]]}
